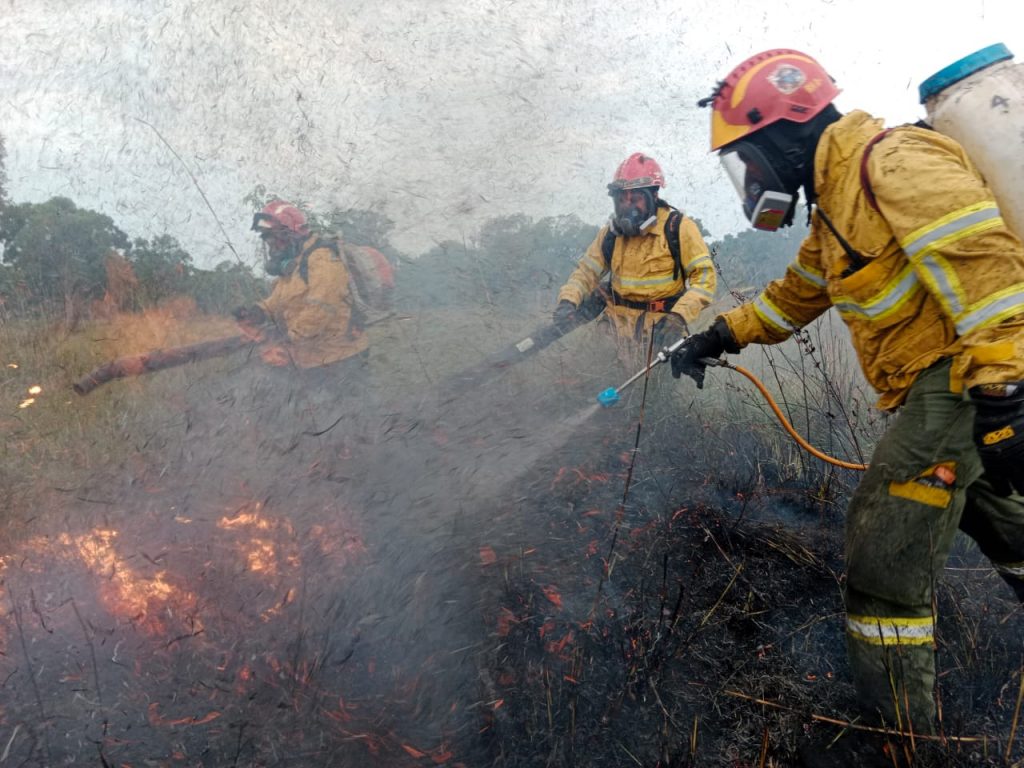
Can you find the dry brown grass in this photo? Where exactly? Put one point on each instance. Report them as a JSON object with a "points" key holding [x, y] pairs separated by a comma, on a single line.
{"points": [[60, 437], [710, 611]]}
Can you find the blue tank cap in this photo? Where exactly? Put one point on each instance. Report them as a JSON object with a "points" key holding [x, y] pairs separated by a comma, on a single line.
{"points": [[958, 70]]}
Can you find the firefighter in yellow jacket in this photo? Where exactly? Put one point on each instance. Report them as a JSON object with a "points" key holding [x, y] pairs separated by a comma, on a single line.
{"points": [[661, 272], [311, 303], [907, 244]]}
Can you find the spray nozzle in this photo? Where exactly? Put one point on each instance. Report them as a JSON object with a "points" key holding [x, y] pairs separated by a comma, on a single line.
{"points": [[610, 396]]}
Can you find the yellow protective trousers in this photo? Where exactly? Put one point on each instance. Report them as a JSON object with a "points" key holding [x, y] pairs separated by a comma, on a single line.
{"points": [[925, 481]]}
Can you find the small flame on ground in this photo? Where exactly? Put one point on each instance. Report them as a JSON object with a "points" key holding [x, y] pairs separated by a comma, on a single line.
{"points": [[126, 593], [26, 403], [12, 365], [35, 389]]}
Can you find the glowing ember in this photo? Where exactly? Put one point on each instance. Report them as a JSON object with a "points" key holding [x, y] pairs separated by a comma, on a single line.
{"points": [[35, 389], [208, 602], [124, 592], [263, 557], [27, 403], [12, 365], [245, 519]]}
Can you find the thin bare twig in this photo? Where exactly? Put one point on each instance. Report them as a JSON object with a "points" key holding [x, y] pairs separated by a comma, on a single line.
{"points": [[721, 597], [28, 663], [1016, 715], [195, 181], [92, 652], [854, 726]]}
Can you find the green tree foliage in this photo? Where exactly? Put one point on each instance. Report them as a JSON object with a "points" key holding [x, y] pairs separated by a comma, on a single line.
{"points": [[58, 250], [750, 259], [3, 173], [226, 286], [363, 227], [358, 226], [701, 228], [163, 269], [520, 264], [515, 262], [54, 258], [14, 298]]}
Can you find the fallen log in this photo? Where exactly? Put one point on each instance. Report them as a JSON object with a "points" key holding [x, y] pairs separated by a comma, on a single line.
{"points": [[158, 360]]}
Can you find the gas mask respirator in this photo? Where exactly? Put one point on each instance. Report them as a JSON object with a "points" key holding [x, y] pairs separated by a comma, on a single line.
{"points": [[635, 210], [768, 201]]}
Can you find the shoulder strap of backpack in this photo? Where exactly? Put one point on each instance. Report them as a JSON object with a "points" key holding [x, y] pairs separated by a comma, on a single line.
{"points": [[865, 180], [672, 223], [331, 243], [608, 246]]}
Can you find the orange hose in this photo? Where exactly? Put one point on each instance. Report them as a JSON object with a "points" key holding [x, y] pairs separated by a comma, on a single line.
{"points": [[785, 422]]}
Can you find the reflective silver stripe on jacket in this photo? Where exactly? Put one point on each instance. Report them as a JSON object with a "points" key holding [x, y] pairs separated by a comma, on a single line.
{"points": [[888, 300], [814, 277], [773, 316]]}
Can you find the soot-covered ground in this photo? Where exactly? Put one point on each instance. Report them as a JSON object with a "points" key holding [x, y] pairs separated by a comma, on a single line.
{"points": [[425, 576]]}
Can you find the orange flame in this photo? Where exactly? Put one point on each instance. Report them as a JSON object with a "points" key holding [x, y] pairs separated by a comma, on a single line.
{"points": [[124, 592]]}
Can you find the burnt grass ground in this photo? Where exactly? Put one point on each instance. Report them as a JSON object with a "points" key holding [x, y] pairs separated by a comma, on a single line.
{"points": [[717, 640], [457, 578]]}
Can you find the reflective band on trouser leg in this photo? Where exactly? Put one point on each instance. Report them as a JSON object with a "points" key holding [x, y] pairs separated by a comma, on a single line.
{"points": [[886, 630], [894, 673], [899, 528], [900, 656]]}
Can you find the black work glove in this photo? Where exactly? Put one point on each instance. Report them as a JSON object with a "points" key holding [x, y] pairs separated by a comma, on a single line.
{"points": [[670, 329], [710, 343], [592, 306], [999, 434], [564, 316], [253, 315]]}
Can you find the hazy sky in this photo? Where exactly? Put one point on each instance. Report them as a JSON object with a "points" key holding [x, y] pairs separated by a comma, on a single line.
{"points": [[439, 113]]}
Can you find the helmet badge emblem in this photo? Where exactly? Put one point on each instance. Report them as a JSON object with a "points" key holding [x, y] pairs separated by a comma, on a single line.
{"points": [[787, 78]]}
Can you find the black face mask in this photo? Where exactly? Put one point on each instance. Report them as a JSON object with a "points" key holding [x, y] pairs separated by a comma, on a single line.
{"points": [[757, 173], [779, 160], [281, 261], [631, 219]]}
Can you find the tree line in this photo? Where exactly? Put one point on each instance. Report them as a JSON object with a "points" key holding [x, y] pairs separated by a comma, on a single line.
{"points": [[58, 258]]}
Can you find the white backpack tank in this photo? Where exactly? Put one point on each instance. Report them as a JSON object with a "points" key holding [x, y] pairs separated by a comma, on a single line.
{"points": [[979, 101]]}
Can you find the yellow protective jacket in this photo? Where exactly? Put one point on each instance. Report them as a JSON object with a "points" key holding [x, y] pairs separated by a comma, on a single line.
{"points": [[642, 270], [945, 277], [312, 305]]}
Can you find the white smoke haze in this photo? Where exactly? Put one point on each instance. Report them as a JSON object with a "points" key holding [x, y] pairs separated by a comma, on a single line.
{"points": [[350, 572], [440, 114]]}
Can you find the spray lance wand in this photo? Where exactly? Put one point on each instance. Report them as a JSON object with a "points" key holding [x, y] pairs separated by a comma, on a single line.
{"points": [[610, 397]]}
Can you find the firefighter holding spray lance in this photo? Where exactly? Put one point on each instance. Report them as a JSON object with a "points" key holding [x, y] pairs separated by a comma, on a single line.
{"points": [[920, 255]]}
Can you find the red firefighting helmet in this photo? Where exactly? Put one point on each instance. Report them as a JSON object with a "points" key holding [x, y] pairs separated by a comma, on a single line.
{"points": [[636, 171], [280, 217], [779, 84]]}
